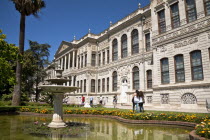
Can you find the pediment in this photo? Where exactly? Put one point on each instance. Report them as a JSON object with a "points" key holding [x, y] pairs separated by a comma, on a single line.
{"points": [[63, 46]]}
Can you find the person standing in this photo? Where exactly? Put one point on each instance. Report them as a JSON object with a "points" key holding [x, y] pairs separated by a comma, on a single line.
{"points": [[135, 93], [115, 101], [83, 99], [91, 100], [141, 103], [101, 100]]}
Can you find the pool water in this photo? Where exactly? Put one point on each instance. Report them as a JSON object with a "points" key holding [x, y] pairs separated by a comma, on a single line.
{"points": [[11, 128]]}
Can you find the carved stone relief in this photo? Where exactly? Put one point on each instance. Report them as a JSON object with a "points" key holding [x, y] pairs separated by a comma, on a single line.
{"points": [[164, 98], [149, 99], [188, 98], [182, 31], [186, 42]]}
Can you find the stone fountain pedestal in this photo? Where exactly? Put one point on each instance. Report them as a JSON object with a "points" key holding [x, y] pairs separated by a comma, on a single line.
{"points": [[57, 120]]}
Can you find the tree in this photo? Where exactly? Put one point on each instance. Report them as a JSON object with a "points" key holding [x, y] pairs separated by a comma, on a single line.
{"points": [[8, 57], [26, 8], [40, 53]]}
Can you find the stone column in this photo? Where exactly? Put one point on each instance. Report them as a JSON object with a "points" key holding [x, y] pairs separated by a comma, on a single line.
{"points": [[182, 12], [57, 121], [168, 18], [119, 47], [73, 60], [110, 52], [129, 43], [200, 8], [65, 63], [62, 63], [69, 60]]}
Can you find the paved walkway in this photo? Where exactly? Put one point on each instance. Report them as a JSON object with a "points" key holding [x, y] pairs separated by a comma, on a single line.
{"points": [[201, 110]]}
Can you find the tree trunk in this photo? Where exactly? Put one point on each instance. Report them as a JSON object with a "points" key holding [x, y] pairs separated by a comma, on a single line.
{"points": [[17, 88]]}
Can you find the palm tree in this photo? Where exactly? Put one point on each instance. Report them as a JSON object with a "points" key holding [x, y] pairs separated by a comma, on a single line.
{"points": [[26, 8]]}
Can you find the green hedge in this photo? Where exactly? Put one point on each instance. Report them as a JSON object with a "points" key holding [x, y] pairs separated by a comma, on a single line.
{"points": [[9, 109]]}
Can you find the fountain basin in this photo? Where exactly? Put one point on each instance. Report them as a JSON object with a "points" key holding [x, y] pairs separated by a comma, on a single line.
{"points": [[58, 95]]}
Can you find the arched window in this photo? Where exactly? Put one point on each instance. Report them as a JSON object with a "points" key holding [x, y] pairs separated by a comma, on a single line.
{"points": [[135, 77], [164, 71], [135, 41], [103, 85], [93, 84], [179, 68], [99, 85], [196, 65], [114, 81], [114, 50], [124, 46], [149, 78]]}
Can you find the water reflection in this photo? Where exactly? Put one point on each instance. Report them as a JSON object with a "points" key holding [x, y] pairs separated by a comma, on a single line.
{"points": [[101, 129]]}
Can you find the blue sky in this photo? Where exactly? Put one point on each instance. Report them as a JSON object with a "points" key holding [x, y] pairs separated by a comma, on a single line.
{"points": [[64, 19]]}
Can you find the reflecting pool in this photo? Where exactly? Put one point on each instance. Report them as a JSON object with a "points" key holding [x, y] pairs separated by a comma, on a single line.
{"points": [[11, 128]]}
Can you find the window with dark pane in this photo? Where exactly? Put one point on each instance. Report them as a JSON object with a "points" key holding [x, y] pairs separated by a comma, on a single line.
{"points": [[161, 21], [107, 84], [99, 85], [114, 79], [93, 85], [135, 41], [93, 60], [135, 77], [179, 68], [149, 79], [114, 50], [99, 59], [107, 56], [196, 65], [165, 71], [207, 7], [85, 85], [147, 41], [104, 58], [191, 10], [103, 85], [175, 20], [124, 46]]}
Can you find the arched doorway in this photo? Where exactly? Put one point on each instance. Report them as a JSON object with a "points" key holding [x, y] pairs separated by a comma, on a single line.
{"points": [[124, 89]]}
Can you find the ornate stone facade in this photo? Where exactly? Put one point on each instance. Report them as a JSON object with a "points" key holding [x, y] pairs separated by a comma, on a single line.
{"points": [[92, 62]]}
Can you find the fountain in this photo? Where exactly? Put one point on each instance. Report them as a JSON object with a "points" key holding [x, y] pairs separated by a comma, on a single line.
{"points": [[57, 89]]}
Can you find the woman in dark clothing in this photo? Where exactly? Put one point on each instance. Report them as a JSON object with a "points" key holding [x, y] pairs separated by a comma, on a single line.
{"points": [[133, 100], [140, 95]]}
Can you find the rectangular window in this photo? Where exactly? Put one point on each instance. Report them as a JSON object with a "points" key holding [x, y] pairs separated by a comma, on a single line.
{"points": [[149, 79], [104, 58], [99, 59], [196, 65], [179, 68], [77, 86], [93, 85], [93, 60], [161, 21], [191, 10], [103, 85], [207, 7], [81, 86], [107, 56], [78, 62], [107, 85], [147, 41], [85, 60], [175, 20], [67, 61], [82, 62], [85, 85], [165, 71], [71, 59], [99, 85]]}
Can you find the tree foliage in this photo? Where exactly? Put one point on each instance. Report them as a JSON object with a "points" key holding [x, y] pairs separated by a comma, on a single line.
{"points": [[34, 67], [8, 57]]}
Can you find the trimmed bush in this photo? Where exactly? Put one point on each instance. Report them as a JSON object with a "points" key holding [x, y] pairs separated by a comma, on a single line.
{"points": [[8, 109]]}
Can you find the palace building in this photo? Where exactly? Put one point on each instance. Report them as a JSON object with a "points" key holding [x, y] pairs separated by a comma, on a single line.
{"points": [[162, 49]]}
